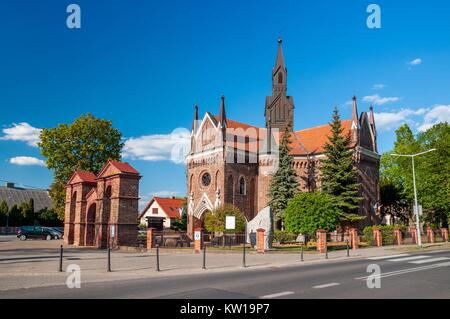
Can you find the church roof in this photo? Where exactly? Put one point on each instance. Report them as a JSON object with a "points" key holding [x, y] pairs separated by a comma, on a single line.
{"points": [[304, 142]]}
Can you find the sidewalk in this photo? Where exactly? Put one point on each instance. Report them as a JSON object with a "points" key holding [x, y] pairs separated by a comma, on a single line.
{"points": [[35, 267]]}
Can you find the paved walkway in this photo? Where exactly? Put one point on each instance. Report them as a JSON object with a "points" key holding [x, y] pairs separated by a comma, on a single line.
{"points": [[35, 263]]}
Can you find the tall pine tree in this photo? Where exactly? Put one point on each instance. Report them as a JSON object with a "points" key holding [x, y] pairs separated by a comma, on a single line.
{"points": [[284, 185], [339, 176]]}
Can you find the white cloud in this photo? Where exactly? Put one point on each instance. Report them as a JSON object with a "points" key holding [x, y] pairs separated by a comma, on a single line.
{"points": [[415, 62], [422, 118], [26, 161], [379, 86], [378, 100], [174, 146], [438, 114], [22, 132]]}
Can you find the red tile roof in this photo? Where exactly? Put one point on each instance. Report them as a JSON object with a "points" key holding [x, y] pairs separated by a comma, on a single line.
{"points": [[85, 176], [124, 167], [306, 141], [170, 206]]}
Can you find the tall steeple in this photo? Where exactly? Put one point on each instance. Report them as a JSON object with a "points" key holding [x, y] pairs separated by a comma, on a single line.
{"points": [[279, 107], [373, 127]]}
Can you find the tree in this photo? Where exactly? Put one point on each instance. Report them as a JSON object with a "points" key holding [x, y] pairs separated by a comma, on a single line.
{"points": [[4, 211], [180, 224], [393, 202], [284, 185], [432, 171], [339, 176], [308, 212], [215, 220], [86, 144]]}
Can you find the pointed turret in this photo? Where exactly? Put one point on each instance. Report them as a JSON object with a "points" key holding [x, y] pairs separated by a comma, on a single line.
{"points": [[373, 128], [280, 58], [355, 116], [195, 121], [222, 115]]}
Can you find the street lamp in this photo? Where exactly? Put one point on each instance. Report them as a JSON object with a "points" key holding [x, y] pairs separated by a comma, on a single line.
{"points": [[416, 207]]}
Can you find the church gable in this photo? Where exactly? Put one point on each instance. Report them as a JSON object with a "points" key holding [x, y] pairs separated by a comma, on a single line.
{"points": [[366, 135], [207, 136]]}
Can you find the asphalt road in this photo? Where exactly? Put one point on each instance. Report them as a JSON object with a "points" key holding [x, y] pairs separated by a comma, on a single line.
{"points": [[412, 275]]}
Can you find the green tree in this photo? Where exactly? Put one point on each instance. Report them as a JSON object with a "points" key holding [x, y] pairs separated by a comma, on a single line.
{"points": [[86, 144], [15, 216], [215, 220], [339, 176], [27, 211], [432, 171], [180, 224], [284, 185], [308, 212], [4, 211]]}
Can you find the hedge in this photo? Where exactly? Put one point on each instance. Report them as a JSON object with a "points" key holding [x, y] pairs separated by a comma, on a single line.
{"points": [[387, 234]]}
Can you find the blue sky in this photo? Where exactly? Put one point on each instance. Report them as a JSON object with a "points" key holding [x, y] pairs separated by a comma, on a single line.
{"points": [[144, 64]]}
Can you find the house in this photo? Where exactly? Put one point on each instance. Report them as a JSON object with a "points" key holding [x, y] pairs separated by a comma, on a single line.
{"points": [[14, 195], [168, 208]]}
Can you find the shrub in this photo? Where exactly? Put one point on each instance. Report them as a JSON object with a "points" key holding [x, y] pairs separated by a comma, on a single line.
{"points": [[283, 236], [215, 220], [308, 212], [387, 234]]}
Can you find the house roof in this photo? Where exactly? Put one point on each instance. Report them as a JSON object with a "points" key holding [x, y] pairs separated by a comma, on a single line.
{"points": [[170, 206], [124, 167], [16, 196]]}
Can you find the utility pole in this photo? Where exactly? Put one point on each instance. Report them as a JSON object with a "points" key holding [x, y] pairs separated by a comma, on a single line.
{"points": [[416, 205]]}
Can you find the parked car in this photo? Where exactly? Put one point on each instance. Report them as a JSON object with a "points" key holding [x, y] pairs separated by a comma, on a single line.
{"points": [[46, 233], [57, 233]]}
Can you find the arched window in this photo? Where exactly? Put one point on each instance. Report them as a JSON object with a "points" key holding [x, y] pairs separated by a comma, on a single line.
{"points": [[242, 186], [280, 78]]}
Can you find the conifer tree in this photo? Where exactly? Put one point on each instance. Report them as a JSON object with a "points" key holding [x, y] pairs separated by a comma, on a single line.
{"points": [[284, 185], [339, 175]]}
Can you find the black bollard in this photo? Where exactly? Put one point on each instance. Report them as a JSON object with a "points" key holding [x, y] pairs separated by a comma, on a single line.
{"points": [[348, 252], [326, 251], [204, 257], [243, 250], [61, 259], [157, 257], [109, 259], [301, 255]]}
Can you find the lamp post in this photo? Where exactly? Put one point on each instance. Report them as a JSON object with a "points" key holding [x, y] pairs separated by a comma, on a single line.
{"points": [[416, 207]]}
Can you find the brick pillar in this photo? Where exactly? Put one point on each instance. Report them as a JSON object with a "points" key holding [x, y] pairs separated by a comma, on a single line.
{"points": [[321, 240], [198, 240], [413, 231], [354, 238], [150, 243], [444, 233], [377, 237], [260, 240], [430, 235], [398, 236]]}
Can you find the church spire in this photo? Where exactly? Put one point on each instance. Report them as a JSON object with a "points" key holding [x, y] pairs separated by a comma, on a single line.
{"points": [[280, 58], [222, 115], [279, 107]]}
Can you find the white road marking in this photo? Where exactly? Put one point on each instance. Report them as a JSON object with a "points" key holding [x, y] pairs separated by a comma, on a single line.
{"points": [[430, 260], [387, 257], [408, 270], [326, 285], [279, 294], [409, 258]]}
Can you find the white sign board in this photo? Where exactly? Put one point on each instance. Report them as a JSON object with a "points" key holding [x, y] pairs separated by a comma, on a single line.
{"points": [[197, 235], [420, 210], [230, 222], [112, 230]]}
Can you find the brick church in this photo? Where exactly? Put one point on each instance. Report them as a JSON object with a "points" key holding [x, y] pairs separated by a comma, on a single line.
{"points": [[233, 162]]}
